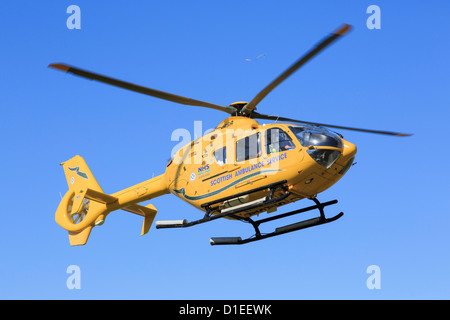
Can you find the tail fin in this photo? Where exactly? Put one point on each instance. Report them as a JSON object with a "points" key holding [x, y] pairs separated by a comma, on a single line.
{"points": [[85, 205]]}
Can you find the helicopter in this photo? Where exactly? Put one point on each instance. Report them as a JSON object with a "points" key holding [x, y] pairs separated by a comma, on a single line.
{"points": [[237, 171]]}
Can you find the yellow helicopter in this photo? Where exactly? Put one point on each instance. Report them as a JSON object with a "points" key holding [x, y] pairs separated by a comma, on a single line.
{"points": [[238, 171]]}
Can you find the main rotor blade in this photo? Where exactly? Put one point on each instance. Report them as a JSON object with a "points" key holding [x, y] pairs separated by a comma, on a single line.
{"points": [[141, 89], [319, 47], [256, 115]]}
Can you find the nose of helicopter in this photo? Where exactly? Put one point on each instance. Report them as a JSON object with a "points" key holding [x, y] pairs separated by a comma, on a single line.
{"points": [[347, 157], [318, 180]]}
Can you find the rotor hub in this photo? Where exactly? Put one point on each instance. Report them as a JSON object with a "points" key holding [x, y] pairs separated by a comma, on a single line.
{"points": [[239, 106]]}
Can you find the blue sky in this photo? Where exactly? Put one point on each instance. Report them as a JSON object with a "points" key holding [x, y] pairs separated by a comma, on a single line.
{"points": [[395, 200]]}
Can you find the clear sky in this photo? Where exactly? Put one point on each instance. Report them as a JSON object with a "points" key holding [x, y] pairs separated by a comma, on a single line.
{"points": [[395, 199]]}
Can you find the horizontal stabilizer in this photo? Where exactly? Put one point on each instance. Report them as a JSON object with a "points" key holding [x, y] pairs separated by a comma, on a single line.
{"points": [[148, 212], [100, 196]]}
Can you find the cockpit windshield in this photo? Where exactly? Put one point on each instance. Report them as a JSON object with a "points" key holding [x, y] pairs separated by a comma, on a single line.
{"points": [[316, 136]]}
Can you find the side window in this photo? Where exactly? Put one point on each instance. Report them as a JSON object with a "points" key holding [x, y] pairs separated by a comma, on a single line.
{"points": [[278, 140], [220, 155], [248, 147]]}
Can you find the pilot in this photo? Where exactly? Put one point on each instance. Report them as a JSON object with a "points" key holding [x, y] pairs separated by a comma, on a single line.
{"points": [[285, 141]]}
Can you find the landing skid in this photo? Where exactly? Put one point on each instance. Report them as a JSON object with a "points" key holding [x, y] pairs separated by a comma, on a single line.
{"points": [[281, 230], [213, 213]]}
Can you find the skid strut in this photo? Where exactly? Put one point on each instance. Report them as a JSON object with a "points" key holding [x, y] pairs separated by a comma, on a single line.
{"points": [[213, 207], [284, 229]]}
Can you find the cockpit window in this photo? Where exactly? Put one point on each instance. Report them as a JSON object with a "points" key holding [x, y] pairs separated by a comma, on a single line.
{"points": [[278, 140], [316, 136], [220, 155]]}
